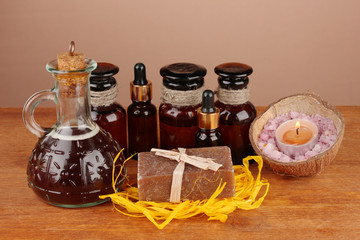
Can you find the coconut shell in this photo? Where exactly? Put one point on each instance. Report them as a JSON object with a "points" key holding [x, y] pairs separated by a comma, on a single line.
{"points": [[309, 104]]}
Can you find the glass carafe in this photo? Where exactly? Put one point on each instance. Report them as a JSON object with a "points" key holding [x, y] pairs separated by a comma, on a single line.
{"points": [[72, 162]]}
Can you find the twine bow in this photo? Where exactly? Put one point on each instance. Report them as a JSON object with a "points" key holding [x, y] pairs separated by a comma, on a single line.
{"points": [[182, 158]]}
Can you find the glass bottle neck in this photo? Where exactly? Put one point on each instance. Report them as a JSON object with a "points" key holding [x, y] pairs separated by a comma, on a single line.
{"points": [[73, 103]]}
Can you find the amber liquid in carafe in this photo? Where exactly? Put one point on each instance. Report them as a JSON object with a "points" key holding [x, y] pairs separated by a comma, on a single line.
{"points": [[68, 168]]}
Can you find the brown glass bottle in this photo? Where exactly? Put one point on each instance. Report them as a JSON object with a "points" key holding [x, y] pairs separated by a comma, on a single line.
{"points": [[142, 123], [236, 112], [108, 114], [181, 96], [208, 122]]}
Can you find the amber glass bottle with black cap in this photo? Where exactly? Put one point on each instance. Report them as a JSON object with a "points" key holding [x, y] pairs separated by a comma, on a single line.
{"points": [[236, 111], [142, 124], [208, 122], [108, 114], [180, 98]]}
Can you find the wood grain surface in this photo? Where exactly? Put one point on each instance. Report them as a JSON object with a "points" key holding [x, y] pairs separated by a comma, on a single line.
{"points": [[326, 206]]}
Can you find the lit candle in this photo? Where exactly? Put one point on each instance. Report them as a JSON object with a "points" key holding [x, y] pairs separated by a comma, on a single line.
{"points": [[296, 137]]}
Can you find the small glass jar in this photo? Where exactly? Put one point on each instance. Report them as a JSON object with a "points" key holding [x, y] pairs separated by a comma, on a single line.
{"points": [[108, 114], [181, 96], [236, 112]]}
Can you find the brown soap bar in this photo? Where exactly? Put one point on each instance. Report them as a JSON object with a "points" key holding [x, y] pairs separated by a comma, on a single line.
{"points": [[67, 62], [155, 176]]}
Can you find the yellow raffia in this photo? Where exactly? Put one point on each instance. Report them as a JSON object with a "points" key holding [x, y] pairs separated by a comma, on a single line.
{"points": [[246, 191]]}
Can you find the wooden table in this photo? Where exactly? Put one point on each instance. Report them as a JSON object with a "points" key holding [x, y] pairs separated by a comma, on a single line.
{"points": [[324, 206]]}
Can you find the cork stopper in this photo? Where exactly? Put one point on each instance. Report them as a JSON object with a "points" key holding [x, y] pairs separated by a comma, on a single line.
{"points": [[71, 60], [71, 82]]}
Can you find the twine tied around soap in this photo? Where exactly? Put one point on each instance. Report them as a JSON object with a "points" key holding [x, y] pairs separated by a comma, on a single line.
{"points": [[181, 98], [233, 97], [182, 158], [103, 98]]}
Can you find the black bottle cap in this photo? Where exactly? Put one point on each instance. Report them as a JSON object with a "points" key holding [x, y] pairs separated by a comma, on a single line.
{"points": [[233, 75], [140, 74], [208, 114], [101, 79], [183, 76], [140, 88], [208, 102]]}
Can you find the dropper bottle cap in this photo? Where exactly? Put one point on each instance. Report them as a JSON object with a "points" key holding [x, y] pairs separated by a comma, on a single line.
{"points": [[208, 114], [140, 88]]}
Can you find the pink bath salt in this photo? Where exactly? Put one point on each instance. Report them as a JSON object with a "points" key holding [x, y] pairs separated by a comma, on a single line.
{"points": [[264, 136], [272, 141], [275, 154], [317, 118], [328, 126], [272, 126], [272, 135], [322, 138], [321, 129], [285, 158], [282, 118], [317, 148], [261, 144], [268, 149], [309, 154], [325, 139], [332, 129], [294, 115], [333, 138], [328, 121], [307, 117], [329, 133], [267, 134]]}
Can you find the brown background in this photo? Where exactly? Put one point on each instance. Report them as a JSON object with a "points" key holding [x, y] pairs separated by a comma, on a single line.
{"points": [[292, 46]]}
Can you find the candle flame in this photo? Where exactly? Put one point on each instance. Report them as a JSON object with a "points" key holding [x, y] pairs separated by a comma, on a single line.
{"points": [[297, 126]]}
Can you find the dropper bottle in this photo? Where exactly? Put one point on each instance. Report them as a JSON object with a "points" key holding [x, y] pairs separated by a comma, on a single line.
{"points": [[142, 123], [208, 122]]}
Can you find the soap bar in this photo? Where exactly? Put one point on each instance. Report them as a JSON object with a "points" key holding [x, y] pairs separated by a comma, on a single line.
{"points": [[155, 176]]}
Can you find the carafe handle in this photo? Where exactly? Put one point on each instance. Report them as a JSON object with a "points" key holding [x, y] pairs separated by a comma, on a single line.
{"points": [[29, 108]]}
